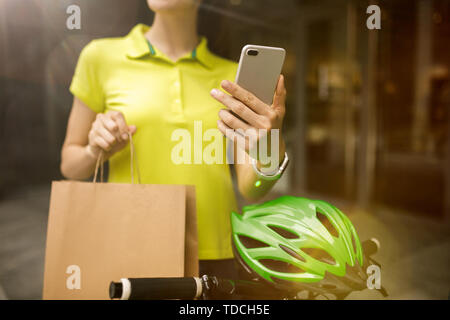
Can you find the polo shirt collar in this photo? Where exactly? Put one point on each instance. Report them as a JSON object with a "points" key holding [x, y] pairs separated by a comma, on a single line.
{"points": [[139, 46], [202, 53]]}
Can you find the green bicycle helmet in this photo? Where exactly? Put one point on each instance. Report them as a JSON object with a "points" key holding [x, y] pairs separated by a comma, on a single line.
{"points": [[300, 244]]}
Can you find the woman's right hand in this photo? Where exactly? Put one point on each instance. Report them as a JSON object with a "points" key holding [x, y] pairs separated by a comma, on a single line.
{"points": [[109, 133]]}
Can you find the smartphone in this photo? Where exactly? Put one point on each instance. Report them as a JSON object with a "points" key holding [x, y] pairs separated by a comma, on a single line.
{"points": [[259, 69]]}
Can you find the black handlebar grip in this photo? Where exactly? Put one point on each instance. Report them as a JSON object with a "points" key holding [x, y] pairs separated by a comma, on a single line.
{"points": [[115, 290], [156, 289]]}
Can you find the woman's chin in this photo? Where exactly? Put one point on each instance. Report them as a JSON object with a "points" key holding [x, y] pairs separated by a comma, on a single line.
{"points": [[169, 5]]}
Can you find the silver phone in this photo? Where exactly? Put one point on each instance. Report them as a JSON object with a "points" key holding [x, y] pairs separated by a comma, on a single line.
{"points": [[259, 69]]}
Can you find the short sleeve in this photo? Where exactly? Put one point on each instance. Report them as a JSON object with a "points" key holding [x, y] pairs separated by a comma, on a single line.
{"points": [[86, 84]]}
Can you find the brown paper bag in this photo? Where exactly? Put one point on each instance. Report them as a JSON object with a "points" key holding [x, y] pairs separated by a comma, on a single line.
{"points": [[100, 232]]}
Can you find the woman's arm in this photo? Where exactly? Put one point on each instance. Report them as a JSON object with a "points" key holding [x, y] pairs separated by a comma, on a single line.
{"points": [[249, 184], [257, 115], [88, 133]]}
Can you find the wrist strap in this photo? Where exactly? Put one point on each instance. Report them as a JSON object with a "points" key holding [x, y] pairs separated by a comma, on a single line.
{"points": [[273, 175]]}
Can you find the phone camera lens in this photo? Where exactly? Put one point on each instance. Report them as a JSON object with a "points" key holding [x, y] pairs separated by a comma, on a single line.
{"points": [[252, 52]]}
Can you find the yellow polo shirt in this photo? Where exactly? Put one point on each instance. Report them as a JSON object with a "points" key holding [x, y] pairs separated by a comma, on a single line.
{"points": [[170, 104]]}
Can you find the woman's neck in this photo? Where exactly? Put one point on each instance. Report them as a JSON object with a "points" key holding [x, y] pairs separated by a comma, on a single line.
{"points": [[174, 33]]}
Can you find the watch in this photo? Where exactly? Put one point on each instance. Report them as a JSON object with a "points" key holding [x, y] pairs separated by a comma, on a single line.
{"points": [[274, 175]]}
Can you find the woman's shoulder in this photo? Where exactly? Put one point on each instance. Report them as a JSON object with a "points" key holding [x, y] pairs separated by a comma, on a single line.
{"points": [[104, 47], [99, 55], [222, 64], [222, 61]]}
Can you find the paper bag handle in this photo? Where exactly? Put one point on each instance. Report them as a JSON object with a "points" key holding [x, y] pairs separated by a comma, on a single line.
{"points": [[133, 163]]}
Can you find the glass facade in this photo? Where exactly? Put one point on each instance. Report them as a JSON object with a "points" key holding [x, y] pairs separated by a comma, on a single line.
{"points": [[367, 111]]}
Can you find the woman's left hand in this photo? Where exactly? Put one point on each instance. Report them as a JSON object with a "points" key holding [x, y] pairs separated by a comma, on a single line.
{"points": [[255, 113]]}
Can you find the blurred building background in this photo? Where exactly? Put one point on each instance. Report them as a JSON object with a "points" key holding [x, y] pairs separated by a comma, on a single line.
{"points": [[367, 120]]}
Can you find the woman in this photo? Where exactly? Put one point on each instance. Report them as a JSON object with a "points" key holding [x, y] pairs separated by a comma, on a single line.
{"points": [[151, 83]]}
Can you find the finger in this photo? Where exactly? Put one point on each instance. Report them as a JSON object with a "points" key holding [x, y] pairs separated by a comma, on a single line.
{"points": [[237, 107], [102, 143], [98, 129], [279, 97], [132, 129], [120, 121], [111, 126], [106, 135], [231, 134], [232, 121], [244, 140], [246, 97]]}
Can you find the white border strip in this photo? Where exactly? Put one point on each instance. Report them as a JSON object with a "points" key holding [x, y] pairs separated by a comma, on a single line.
{"points": [[126, 289], [199, 287]]}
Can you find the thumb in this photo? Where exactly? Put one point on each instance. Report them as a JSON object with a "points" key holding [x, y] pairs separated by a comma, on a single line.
{"points": [[279, 97], [132, 129]]}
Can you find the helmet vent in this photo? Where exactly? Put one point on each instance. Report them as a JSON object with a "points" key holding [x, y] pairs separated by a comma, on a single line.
{"points": [[354, 244], [327, 223], [319, 254], [283, 232], [280, 266], [251, 243], [282, 282], [327, 286], [292, 253]]}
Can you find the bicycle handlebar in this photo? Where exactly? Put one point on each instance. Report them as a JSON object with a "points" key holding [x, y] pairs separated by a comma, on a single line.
{"points": [[208, 287], [156, 288], [193, 287]]}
